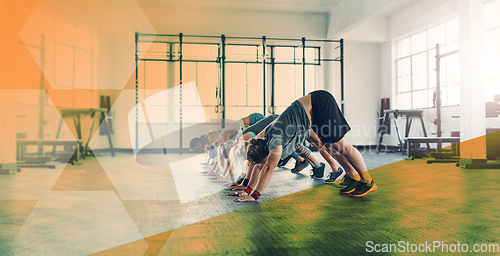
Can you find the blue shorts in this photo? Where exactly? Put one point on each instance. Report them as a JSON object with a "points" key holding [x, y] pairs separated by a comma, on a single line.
{"points": [[255, 117]]}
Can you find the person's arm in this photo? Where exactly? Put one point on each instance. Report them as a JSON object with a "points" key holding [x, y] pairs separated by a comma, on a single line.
{"points": [[267, 170], [265, 175]]}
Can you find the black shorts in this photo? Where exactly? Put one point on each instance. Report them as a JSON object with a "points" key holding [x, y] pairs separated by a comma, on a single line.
{"points": [[328, 122]]}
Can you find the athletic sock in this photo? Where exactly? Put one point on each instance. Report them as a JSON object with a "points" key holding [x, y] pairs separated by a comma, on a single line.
{"points": [[316, 165], [294, 155], [365, 177], [356, 177]]}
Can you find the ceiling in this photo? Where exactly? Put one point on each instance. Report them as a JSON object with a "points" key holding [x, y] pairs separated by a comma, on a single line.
{"points": [[297, 6]]}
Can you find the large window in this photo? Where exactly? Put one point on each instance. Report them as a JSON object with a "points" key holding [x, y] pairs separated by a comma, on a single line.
{"points": [[68, 60], [491, 49], [416, 63]]}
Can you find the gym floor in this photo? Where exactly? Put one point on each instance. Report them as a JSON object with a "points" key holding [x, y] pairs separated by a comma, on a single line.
{"points": [[115, 206]]}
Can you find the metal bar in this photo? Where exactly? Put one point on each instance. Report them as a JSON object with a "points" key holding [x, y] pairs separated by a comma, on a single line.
{"points": [[241, 62], [242, 37], [324, 40], [319, 56], [438, 94], [169, 35], [163, 42], [199, 43], [264, 73], [285, 39], [167, 60], [294, 46], [157, 41], [223, 79], [342, 75], [272, 79], [136, 94], [303, 66], [180, 90], [238, 44], [296, 63]]}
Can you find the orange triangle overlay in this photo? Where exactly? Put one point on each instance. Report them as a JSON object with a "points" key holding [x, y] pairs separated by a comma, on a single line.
{"points": [[86, 177], [13, 15]]}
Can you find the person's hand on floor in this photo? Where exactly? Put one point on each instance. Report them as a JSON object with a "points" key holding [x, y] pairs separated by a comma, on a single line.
{"points": [[246, 198]]}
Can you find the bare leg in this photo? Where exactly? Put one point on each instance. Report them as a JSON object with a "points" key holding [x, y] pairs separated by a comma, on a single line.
{"points": [[331, 161], [354, 158], [341, 159]]}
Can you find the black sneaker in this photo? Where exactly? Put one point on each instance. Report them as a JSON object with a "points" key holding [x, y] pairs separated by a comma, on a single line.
{"points": [[333, 176], [363, 189], [318, 172], [345, 181], [299, 166], [350, 187], [284, 161]]}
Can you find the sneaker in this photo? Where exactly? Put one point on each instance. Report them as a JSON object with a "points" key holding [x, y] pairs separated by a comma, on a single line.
{"points": [[363, 189], [345, 181], [318, 172], [333, 176], [284, 161], [299, 166], [350, 187]]}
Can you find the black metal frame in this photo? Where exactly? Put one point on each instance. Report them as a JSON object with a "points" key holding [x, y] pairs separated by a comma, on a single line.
{"points": [[222, 41]]}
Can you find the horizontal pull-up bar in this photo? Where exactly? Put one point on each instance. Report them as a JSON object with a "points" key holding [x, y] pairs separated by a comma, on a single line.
{"points": [[244, 38]]}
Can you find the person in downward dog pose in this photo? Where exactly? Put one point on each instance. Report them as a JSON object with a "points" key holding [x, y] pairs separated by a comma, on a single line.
{"points": [[317, 118]]}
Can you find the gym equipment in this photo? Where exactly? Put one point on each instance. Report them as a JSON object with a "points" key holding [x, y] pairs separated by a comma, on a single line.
{"points": [[441, 156], [410, 114], [76, 114], [71, 147], [229, 50]]}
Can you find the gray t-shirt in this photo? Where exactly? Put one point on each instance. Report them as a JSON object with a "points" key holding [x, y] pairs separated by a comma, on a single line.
{"points": [[291, 129]]}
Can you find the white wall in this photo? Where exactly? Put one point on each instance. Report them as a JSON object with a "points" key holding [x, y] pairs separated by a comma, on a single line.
{"points": [[362, 90], [419, 15]]}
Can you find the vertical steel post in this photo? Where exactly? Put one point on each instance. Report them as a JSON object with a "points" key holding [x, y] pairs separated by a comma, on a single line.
{"points": [[264, 73], [342, 75], [271, 48], [180, 91], [136, 93], [223, 79], [303, 66], [438, 94]]}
